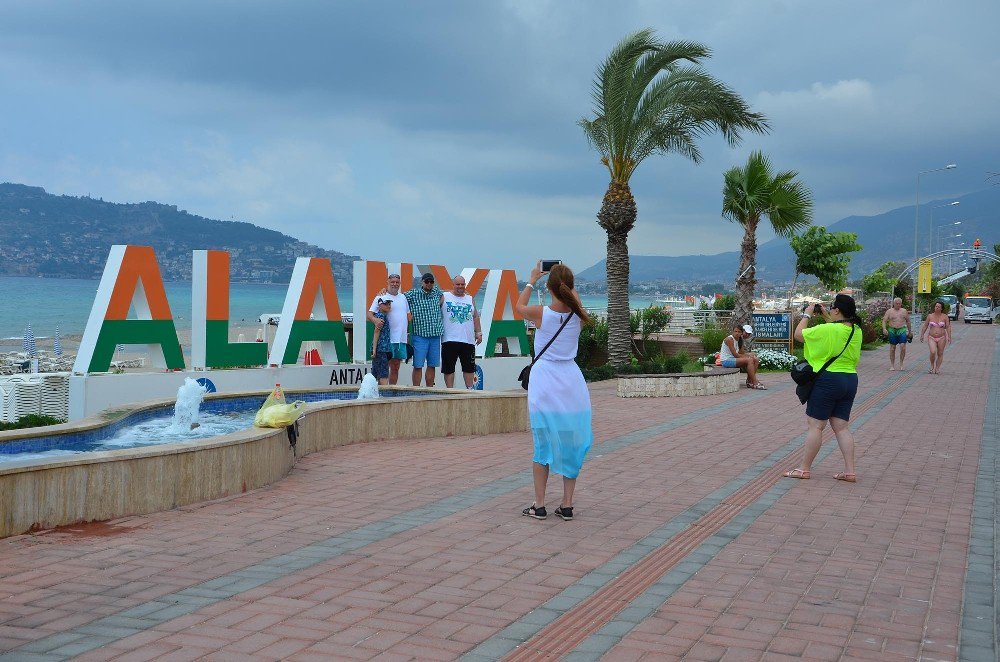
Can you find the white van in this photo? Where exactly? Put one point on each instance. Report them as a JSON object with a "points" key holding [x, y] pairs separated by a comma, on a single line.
{"points": [[978, 309]]}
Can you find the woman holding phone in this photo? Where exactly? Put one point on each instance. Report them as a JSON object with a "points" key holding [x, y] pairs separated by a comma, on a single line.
{"points": [[833, 391], [558, 399]]}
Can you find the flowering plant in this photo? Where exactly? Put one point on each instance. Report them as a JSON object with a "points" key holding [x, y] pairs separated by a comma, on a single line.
{"points": [[772, 359], [707, 360]]}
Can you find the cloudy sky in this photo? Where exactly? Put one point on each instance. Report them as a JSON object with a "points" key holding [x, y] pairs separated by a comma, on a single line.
{"points": [[446, 131]]}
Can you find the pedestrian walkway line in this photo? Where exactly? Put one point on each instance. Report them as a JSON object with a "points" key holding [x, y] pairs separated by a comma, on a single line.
{"points": [[608, 602], [144, 616], [980, 613]]}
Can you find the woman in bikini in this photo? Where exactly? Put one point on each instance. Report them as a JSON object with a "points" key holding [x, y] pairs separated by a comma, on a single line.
{"points": [[937, 328]]}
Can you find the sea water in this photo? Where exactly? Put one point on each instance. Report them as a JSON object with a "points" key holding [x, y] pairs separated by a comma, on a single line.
{"points": [[48, 303]]}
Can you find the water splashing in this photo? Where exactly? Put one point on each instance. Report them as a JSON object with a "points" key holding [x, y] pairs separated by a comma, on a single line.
{"points": [[369, 388], [189, 397]]}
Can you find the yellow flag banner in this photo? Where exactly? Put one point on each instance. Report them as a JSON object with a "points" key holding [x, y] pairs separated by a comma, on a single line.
{"points": [[924, 277]]}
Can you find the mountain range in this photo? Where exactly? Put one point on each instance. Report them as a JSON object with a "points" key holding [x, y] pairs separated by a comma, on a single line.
{"points": [[63, 236], [885, 237]]}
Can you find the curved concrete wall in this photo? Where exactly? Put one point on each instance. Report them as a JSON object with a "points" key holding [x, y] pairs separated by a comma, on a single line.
{"points": [[109, 484], [678, 385]]}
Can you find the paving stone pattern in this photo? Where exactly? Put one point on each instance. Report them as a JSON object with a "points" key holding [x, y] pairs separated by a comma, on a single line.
{"points": [[417, 550]]}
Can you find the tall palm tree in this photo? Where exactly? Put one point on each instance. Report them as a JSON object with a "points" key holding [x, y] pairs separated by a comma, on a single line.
{"points": [[753, 192], [651, 98]]}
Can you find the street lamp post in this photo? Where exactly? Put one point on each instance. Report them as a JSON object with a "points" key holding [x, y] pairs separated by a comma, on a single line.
{"points": [[916, 225], [930, 228]]}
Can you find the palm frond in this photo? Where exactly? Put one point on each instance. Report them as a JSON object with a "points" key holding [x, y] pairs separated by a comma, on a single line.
{"points": [[752, 191], [654, 98]]}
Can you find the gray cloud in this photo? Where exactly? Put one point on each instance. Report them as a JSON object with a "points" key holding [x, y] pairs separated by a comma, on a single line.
{"points": [[333, 121]]}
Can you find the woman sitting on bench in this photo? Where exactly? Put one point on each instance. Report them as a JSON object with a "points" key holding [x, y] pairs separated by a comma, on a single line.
{"points": [[733, 355]]}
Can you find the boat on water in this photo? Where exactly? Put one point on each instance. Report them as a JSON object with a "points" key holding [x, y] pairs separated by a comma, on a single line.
{"points": [[273, 319]]}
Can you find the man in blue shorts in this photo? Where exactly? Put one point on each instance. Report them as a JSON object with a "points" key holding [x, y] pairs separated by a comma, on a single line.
{"points": [[428, 325], [896, 327]]}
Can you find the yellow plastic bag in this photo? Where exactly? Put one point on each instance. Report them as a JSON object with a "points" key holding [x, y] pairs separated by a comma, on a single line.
{"points": [[276, 413]]}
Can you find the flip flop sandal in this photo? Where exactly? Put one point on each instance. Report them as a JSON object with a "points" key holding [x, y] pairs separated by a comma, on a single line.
{"points": [[846, 477], [797, 473], [537, 513]]}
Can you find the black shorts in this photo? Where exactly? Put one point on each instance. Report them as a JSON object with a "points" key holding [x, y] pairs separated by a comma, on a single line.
{"points": [[833, 396], [452, 351]]}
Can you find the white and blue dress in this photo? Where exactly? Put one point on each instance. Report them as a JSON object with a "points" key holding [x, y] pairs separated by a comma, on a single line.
{"points": [[558, 399]]}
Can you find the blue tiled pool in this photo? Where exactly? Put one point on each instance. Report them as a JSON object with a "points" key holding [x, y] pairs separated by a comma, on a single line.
{"points": [[220, 415]]}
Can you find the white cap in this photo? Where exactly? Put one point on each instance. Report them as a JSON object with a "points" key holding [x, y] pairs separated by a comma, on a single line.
{"points": [[748, 329]]}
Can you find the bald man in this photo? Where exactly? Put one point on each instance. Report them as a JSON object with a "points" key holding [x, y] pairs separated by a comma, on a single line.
{"points": [[461, 334]]}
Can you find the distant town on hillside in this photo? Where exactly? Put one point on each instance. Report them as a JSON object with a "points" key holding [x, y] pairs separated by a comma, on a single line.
{"points": [[61, 236]]}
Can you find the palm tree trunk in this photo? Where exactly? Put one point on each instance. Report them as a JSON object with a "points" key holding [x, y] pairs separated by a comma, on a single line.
{"points": [[617, 217], [745, 280], [619, 331]]}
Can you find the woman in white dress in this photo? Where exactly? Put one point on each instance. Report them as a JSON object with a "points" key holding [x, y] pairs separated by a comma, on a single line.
{"points": [[558, 399]]}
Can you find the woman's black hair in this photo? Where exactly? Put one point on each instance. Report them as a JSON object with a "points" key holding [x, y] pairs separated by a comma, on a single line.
{"points": [[847, 307]]}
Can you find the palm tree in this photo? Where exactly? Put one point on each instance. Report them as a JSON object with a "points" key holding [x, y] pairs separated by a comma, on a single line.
{"points": [[651, 98], [749, 194]]}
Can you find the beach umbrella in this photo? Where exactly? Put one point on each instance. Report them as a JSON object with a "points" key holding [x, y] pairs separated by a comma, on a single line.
{"points": [[120, 349], [56, 345], [29, 342], [24, 342]]}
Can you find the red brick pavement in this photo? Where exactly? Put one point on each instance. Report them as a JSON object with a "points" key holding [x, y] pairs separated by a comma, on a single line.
{"points": [[866, 570]]}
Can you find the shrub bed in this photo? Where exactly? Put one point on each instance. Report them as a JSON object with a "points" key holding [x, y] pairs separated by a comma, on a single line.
{"points": [[30, 421], [660, 365]]}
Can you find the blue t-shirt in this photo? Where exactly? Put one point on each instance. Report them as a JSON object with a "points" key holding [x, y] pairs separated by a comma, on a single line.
{"points": [[384, 342]]}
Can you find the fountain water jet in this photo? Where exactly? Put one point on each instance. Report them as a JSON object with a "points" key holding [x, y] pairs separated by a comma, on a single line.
{"points": [[369, 388], [189, 397]]}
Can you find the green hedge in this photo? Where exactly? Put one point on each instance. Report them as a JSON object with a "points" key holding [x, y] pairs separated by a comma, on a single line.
{"points": [[30, 421], [657, 366]]}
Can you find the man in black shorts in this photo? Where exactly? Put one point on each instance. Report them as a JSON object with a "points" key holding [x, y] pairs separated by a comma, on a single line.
{"points": [[461, 334]]}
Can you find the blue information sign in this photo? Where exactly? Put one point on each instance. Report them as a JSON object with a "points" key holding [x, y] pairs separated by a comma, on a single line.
{"points": [[772, 326]]}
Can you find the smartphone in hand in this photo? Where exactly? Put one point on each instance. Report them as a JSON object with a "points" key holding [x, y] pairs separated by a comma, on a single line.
{"points": [[548, 264]]}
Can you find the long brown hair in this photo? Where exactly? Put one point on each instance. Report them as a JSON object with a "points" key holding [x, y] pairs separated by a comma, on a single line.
{"points": [[561, 285]]}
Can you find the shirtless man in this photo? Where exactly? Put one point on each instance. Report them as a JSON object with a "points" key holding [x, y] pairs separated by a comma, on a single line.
{"points": [[898, 333]]}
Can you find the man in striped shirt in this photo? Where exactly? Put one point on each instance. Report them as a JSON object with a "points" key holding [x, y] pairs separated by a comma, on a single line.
{"points": [[428, 325]]}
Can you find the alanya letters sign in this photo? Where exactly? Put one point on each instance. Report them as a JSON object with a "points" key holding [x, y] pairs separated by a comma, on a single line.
{"points": [[311, 312]]}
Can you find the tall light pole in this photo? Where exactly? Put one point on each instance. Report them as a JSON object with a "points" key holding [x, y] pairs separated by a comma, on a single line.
{"points": [[916, 225], [930, 228]]}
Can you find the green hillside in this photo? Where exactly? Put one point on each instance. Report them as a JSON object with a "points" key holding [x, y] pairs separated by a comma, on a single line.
{"points": [[61, 236]]}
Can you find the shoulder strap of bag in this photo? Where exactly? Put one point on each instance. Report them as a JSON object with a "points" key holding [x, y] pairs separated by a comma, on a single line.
{"points": [[830, 362], [552, 339]]}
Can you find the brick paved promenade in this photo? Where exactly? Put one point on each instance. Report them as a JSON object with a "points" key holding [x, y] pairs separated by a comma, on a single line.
{"points": [[687, 543]]}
